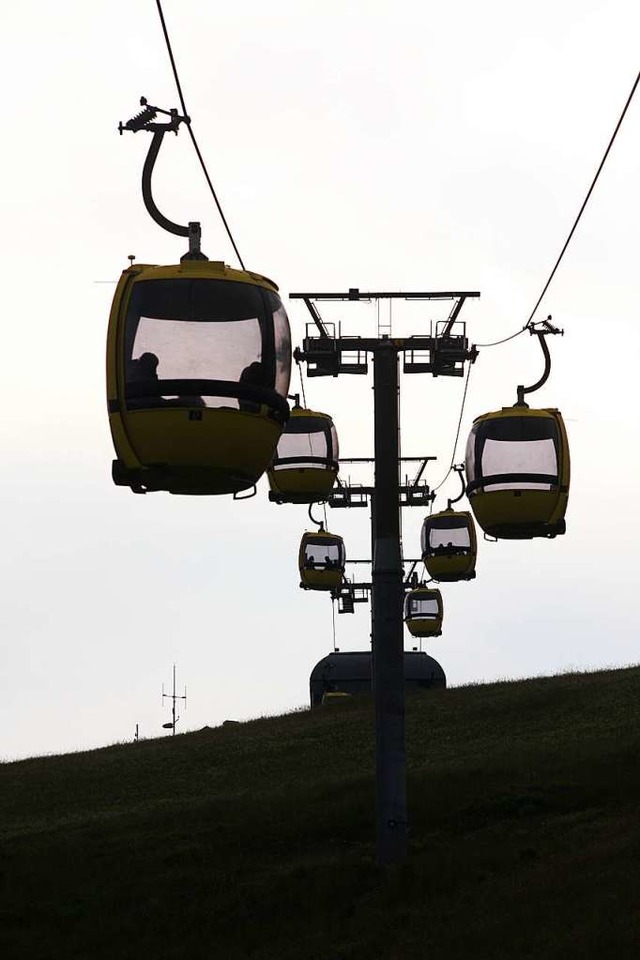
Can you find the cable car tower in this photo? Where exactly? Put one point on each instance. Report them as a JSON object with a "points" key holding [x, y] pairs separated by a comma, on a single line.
{"points": [[443, 352]]}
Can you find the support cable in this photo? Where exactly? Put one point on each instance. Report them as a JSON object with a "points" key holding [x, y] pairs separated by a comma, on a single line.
{"points": [[304, 399], [576, 221], [455, 442], [586, 199], [192, 135], [333, 618], [497, 343]]}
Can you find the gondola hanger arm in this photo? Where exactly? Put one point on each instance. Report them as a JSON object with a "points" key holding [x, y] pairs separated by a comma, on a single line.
{"points": [[458, 469], [318, 523], [540, 330], [146, 120]]}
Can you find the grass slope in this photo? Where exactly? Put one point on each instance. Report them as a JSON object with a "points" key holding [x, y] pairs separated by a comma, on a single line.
{"points": [[255, 840]]}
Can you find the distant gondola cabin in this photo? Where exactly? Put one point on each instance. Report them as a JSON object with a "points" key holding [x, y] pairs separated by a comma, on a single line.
{"points": [[321, 560], [423, 612], [517, 467], [305, 465], [198, 366], [449, 546]]}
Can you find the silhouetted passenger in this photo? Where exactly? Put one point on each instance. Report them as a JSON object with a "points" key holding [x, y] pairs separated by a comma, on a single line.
{"points": [[253, 375], [144, 368]]}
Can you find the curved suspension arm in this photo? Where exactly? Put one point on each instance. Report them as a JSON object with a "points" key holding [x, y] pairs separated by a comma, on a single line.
{"points": [[146, 120], [458, 470], [318, 523], [540, 334], [147, 196]]}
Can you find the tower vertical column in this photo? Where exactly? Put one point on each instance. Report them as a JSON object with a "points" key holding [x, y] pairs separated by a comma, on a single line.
{"points": [[387, 599]]}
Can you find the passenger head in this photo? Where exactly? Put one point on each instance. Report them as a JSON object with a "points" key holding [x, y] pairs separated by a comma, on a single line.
{"points": [[254, 373], [147, 366]]}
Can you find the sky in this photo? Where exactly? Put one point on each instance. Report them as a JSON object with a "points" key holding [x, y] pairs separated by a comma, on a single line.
{"points": [[380, 145]]}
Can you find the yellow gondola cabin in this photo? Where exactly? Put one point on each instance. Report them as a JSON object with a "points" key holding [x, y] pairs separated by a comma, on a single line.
{"points": [[198, 366], [305, 466], [321, 560], [517, 468], [423, 612], [449, 545]]}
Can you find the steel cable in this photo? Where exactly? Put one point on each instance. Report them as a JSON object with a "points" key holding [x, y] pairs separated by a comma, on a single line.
{"points": [[191, 133], [455, 442], [575, 223]]}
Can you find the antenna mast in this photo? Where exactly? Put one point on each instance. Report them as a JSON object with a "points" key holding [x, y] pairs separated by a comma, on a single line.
{"points": [[173, 697]]}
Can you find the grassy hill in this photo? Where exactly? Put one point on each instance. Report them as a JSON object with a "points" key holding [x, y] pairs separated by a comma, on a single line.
{"points": [[255, 840]]}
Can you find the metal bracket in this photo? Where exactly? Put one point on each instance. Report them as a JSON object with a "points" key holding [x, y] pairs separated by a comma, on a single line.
{"points": [[350, 593], [442, 353]]}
